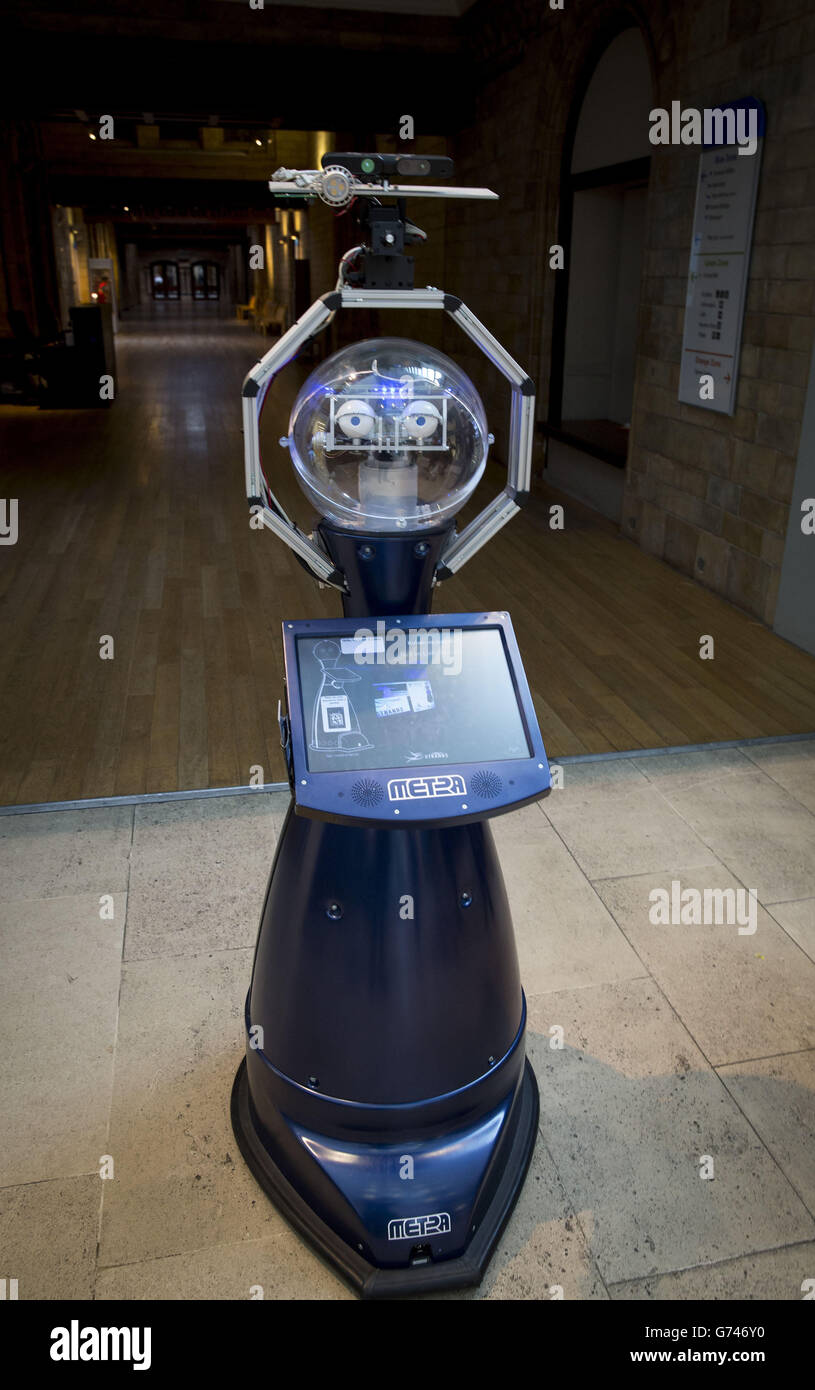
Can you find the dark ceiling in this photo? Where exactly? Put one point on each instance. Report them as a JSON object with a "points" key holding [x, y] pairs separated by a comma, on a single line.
{"points": [[302, 68]]}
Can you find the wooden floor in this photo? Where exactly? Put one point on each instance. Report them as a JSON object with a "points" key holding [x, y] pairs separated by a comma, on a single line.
{"points": [[133, 524]]}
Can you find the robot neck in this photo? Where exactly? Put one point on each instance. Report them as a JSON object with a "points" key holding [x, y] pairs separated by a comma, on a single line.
{"points": [[386, 573]]}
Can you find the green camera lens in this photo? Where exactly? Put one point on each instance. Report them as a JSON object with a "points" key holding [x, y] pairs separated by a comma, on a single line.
{"points": [[367, 165]]}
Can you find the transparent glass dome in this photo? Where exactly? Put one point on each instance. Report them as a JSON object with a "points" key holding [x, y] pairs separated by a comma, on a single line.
{"points": [[388, 435]]}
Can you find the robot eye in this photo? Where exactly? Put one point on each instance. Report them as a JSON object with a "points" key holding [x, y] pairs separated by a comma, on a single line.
{"points": [[420, 419], [355, 419]]}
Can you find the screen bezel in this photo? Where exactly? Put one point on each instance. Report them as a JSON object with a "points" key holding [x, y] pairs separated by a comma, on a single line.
{"points": [[328, 794]]}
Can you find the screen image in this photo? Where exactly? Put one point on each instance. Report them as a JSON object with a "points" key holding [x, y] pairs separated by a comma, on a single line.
{"points": [[408, 698], [424, 697]]}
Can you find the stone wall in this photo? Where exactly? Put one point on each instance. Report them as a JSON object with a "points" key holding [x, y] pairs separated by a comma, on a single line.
{"points": [[710, 493], [707, 492]]}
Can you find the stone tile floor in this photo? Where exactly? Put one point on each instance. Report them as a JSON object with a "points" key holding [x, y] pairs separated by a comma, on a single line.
{"points": [[126, 939]]}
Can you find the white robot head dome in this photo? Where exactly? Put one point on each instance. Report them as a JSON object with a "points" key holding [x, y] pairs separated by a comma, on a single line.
{"points": [[388, 435]]}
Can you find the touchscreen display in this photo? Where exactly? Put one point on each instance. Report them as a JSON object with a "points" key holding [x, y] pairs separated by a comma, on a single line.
{"points": [[408, 697]]}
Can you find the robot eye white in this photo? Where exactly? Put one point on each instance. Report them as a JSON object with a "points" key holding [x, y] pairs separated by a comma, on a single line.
{"points": [[355, 418], [421, 419]]}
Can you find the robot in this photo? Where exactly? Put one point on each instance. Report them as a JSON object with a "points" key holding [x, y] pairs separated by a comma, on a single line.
{"points": [[385, 1102]]}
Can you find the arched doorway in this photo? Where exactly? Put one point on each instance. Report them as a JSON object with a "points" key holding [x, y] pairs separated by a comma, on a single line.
{"points": [[604, 192]]}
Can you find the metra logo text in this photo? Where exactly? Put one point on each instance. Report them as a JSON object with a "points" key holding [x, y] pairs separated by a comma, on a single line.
{"points": [[414, 788], [409, 1227]]}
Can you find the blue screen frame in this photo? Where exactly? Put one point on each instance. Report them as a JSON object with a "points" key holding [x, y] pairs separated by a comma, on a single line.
{"points": [[422, 796]]}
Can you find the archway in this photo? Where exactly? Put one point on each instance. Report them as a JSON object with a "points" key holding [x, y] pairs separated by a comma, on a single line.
{"points": [[604, 191]]}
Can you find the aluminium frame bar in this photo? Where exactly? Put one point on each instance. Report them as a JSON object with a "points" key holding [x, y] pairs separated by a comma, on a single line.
{"points": [[311, 179], [496, 514]]}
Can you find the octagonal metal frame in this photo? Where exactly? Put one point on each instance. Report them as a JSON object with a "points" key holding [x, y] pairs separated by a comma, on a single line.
{"points": [[462, 546]]}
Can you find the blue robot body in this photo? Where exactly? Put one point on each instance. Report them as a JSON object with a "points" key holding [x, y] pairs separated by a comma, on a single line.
{"points": [[385, 1103]]}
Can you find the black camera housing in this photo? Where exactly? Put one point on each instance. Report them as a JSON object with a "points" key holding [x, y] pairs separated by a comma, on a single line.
{"points": [[386, 166]]}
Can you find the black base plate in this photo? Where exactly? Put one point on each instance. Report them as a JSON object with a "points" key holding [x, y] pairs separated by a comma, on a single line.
{"points": [[366, 1279]]}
